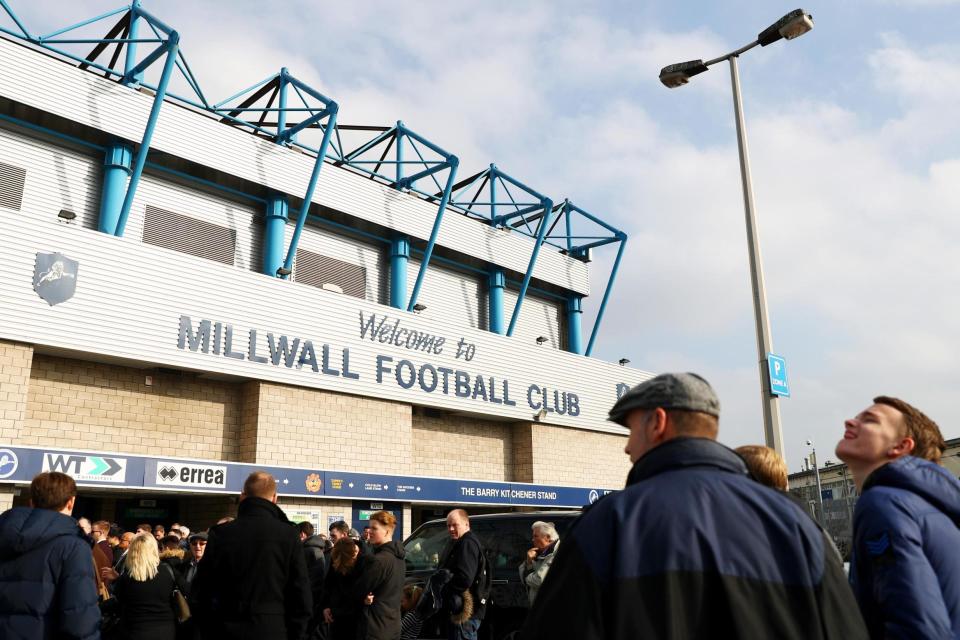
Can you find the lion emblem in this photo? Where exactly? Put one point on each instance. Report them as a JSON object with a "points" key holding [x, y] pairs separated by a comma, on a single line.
{"points": [[314, 482]]}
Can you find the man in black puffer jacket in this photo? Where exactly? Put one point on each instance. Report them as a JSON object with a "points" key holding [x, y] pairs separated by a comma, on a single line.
{"points": [[47, 586], [252, 582]]}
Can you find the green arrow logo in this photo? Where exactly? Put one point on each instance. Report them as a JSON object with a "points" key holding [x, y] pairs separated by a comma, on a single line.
{"points": [[100, 466]]}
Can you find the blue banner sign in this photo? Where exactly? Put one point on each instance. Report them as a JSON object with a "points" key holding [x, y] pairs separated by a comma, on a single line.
{"points": [[93, 469]]}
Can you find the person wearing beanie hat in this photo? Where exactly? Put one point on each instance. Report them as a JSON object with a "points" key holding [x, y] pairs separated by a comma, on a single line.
{"points": [[692, 547]]}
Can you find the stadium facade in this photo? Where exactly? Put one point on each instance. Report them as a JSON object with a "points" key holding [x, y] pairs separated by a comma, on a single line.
{"points": [[172, 315]]}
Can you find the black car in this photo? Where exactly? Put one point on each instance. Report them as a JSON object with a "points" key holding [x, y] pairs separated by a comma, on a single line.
{"points": [[505, 537]]}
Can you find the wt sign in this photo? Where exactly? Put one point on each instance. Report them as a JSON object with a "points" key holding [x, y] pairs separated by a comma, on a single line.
{"points": [[87, 468], [777, 367]]}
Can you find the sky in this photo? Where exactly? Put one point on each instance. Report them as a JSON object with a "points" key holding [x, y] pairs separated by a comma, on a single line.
{"points": [[853, 142]]}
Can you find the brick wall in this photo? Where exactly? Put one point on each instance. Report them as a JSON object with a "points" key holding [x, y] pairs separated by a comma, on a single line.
{"points": [[15, 364], [307, 427], [460, 447], [565, 456], [83, 405]]}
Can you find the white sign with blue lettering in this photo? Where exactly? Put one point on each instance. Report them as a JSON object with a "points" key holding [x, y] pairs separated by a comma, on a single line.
{"points": [[236, 323], [777, 367]]}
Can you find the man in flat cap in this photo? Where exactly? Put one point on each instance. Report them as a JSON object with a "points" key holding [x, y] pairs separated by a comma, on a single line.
{"points": [[692, 547]]}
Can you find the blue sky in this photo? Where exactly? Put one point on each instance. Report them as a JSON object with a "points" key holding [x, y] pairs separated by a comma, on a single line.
{"points": [[853, 140]]}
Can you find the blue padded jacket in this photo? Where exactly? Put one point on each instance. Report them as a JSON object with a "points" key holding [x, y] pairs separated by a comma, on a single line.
{"points": [[47, 587], [905, 569], [694, 548]]}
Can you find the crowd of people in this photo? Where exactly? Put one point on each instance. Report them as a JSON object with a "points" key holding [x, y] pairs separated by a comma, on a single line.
{"points": [[256, 575], [703, 542]]}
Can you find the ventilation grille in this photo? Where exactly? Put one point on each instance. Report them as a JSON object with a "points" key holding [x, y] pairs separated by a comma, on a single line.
{"points": [[316, 270], [11, 186], [188, 235]]}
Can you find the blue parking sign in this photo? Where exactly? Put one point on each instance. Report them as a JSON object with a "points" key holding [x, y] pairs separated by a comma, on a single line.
{"points": [[777, 367]]}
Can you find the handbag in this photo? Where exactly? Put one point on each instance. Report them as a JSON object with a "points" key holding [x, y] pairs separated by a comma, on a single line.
{"points": [[177, 601]]}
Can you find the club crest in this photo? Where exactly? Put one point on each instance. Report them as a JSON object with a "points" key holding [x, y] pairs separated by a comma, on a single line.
{"points": [[55, 277]]}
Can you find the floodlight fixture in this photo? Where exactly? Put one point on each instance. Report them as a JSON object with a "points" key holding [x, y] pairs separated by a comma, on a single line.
{"points": [[540, 415], [542, 339], [66, 214], [284, 272], [793, 25], [679, 74], [624, 362], [419, 307]]}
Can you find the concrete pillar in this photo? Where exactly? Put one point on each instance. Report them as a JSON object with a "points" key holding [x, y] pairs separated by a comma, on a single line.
{"points": [[16, 362]]}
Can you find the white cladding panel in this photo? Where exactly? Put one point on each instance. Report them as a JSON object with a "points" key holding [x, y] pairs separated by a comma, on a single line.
{"points": [[130, 298], [157, 192], [539, 317], [57, 178], [372, 258], [451, 295], [122, 111]]}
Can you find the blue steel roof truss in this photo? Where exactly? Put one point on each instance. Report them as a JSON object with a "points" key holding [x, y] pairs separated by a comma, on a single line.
{"points": [[290, 112]]}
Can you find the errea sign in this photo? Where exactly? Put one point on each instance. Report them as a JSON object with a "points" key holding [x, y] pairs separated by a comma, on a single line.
{"points": [[177, 473]]}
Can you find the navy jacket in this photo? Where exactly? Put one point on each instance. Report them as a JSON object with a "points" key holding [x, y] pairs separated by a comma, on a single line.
{"points": [[905, 569], [693, 548], [47, 587]]}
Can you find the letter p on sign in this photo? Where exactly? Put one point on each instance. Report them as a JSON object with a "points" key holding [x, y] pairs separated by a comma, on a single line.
{"points": [[777, 368]]}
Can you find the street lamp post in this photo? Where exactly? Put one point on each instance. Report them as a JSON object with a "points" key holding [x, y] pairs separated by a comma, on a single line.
{"points": [[816, 473], [790, 26]]}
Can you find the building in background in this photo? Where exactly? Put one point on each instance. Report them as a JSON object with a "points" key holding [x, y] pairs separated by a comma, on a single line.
{"points": [[173, 315]]}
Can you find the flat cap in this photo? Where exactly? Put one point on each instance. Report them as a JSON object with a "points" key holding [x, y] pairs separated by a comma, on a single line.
{"points": [[199, 535], [681, 391]]}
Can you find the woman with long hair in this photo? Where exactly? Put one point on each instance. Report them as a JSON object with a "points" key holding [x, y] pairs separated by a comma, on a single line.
{"points": [[145, 593], [341, 608], [382, 578]]}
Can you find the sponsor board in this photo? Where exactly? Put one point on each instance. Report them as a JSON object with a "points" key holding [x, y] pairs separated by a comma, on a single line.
{"points": [[87, 468], [178, 473], [21, 464]]}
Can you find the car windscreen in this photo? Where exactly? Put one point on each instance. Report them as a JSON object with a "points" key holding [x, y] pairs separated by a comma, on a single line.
{"points": [[425, 546], [505, 541]]}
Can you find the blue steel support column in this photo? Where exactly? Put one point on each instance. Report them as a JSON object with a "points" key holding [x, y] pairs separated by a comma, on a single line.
{"points": [[399, 143], [173, 46], [547, 206], [282, 113], [399, 257], [453, 162], [606, 294], [275, 222], [131, 52], [116, 170], [574, 328], [498, 281], [332, 109]]}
